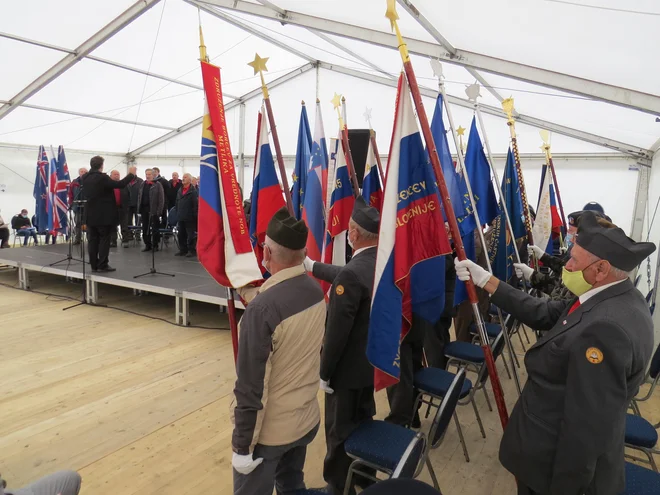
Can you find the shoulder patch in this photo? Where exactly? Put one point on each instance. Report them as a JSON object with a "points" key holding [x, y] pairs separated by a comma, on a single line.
{"points": [[594, 355], [339, 290]]}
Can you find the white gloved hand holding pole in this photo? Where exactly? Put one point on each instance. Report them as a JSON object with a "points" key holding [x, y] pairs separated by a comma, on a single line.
{"points": [[245, 464], [522, 270], [535, 251], [309, 264], [467, 269], [323, 385]]}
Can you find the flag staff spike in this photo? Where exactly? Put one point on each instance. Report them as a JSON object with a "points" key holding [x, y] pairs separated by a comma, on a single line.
{"points": [[482, 238], [545, 136], [259, 66], [449, 211], [336, 102], [372, 137]]}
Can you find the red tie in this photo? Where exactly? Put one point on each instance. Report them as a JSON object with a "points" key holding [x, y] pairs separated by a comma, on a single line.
{"points": [[117, 197], [575, 306]]}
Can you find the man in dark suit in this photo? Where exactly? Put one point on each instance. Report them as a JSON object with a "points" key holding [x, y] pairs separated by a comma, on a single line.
{"points": [[122, 201], [566, 433], [167, 190], [151, 200], [347, 377], [101, 212], [133, 189], [175, 184], [76, 194], [187, 201]]}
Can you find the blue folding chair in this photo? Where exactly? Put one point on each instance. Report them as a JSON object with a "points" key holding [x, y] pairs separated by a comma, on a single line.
{"points": [[395, 450], [170, 231], [641, 481]]}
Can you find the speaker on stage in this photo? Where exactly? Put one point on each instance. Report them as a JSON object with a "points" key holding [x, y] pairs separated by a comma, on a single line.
{"points": [[358, 140]]}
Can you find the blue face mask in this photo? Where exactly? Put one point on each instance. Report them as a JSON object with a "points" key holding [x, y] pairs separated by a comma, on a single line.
{"points": [[569, 240]]}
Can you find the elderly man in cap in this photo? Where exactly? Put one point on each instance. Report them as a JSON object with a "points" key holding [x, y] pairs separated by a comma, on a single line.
{"points": [[276, 412], [566, 433], [347, 377]]}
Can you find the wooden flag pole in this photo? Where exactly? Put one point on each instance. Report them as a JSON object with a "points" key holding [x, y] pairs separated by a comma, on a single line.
{"points": [[259, 66], [449, 212], [374, 145], [336, 102], [545, 135]]}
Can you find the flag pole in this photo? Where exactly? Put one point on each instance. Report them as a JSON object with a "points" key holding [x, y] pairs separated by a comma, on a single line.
{"points": [[259, 66], [374, 145], [336, 101], [437, 69], [545, 135], [231, 307], [449, 211], [343, 110]]}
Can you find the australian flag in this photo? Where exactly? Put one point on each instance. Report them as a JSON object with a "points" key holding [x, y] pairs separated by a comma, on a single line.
{"points": [[40, 191], [412, 242], [303, 152]]}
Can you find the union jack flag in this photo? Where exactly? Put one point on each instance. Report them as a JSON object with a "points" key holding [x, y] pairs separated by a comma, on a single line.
{"points": [[58, 191]]}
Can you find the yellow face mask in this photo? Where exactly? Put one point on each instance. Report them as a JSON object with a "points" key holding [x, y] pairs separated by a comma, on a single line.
{"points": [[575, 282]]}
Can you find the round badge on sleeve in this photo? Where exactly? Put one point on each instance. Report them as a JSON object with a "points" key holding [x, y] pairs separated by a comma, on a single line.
{"points": [[339, 290], [594, 355]]}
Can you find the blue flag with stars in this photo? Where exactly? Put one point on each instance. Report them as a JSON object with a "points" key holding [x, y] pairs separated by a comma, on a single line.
{"points": [[303, 154]]}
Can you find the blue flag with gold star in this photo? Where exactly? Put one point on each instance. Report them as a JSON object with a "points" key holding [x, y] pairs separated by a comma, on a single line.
{"points": [[303, 153]]}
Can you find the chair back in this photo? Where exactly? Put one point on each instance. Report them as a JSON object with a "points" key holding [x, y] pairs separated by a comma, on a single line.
{"points": [[446, 409], [172, 217], [496, 347], [411, 461]]}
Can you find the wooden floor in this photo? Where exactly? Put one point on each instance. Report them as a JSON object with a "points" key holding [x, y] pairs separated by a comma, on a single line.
{"points": [[140, 406]]}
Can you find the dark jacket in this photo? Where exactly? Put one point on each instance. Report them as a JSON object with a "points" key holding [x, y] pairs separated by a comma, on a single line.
{"points": [[75, 193], [166, 190], [344, 360], [18, 222], [133, 189], [101, 206], [156, 198], [187, 204], [566, 433], [551, 283], [173, 191]]}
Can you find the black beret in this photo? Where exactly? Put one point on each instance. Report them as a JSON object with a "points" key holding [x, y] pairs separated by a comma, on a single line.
{"points": [[593, 206], [286, 230], [612, 245], [574, 218], [365, 216]]}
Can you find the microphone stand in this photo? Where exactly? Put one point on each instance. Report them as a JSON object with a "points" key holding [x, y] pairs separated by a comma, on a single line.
{"points": [[69, 257], [152, 271]]}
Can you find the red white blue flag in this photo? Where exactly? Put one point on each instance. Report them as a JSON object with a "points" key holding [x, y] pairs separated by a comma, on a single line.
{"points": [[412, 242], [314, 200], [40, 191], [58, 191], [372, 191], [223, 242], [267, 195]]}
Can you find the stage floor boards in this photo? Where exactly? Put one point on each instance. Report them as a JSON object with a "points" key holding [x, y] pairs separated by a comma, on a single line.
{"points": [[140, 406]]}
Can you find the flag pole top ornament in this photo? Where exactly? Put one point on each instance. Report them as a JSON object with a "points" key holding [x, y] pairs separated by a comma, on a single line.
{"points": [[203, 57], [546, 136], [336, 104], [460, 131], [507, 106], [473, 91], [392, 15], [343, 99], [302, 102], [436, 66], [367, 116], [259, 66]]}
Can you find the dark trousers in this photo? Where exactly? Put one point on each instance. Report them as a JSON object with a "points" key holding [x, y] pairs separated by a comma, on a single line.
{"points": [[465, 316], [402, 395], [132, 219], [282, 468], [163, 218], [4, 238], [77, 228], [186, 234], [345, 410], [436, 337], [99, 245], [122, 217], [525, 490], [151, 239]]}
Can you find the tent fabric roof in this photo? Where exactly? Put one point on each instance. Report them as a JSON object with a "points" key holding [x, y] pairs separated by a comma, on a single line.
{"points": [[595, 40]]}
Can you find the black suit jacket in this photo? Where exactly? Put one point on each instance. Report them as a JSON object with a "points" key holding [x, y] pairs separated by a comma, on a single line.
{"points": [[566, 433], [167, 190], [344, 360], [101, 208]]}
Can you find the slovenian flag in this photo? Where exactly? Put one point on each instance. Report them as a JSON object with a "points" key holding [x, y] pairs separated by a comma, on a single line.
{"points": [[412, 241], [223, 239], [372, 191]]}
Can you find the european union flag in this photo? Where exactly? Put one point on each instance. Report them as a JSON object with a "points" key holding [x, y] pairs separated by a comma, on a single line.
{"points": [[303, 153]]}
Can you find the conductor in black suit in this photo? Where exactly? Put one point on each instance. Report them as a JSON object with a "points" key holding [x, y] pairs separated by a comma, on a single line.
{"points": [[347, 377], [101, 212]]}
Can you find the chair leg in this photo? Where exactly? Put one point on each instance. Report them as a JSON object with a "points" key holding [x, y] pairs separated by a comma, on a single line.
{"points": [[476, 413], [487, 398], [432, 473], [349, 480], [506, 366], [649, 454], [635, 407], [525, 332], [460, 437]]}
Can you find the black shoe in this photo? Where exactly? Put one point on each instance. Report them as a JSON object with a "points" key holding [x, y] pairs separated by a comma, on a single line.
{"points": [[146, 248], [124, 244], [95, 270], [181, 253], [156, 248], [113, 244], [191, 254], [107, 269]]}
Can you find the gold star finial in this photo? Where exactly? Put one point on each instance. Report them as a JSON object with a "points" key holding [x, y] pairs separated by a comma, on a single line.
{"points": [[258, 64], [460, 131], [507, 106], [336, 101], [391, 13]]}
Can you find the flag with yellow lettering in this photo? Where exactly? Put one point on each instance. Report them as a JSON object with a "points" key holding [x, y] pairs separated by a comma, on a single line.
{"points": [[410, 265]]}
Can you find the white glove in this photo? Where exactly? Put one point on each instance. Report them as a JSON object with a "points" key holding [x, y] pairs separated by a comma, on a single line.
{"points": [[325, 387], [467, 268], [535, 251], [522, 270], [244, 464], [309, 264]]}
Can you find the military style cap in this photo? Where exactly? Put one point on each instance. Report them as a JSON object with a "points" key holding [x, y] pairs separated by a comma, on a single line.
{"points": [[286, 230], [593, 206], [365, 216], [612, 245]]}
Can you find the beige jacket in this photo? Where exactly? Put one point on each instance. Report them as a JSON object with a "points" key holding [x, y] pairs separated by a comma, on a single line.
{"points": [[280, 338]]}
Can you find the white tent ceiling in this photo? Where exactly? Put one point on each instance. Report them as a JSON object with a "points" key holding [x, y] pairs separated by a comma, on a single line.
{"points": [[600, 52]]}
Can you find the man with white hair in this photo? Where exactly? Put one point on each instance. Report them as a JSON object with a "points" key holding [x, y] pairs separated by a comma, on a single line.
{"points": [[276, 412], [122, 201], [187, 201], [566, 433]]}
